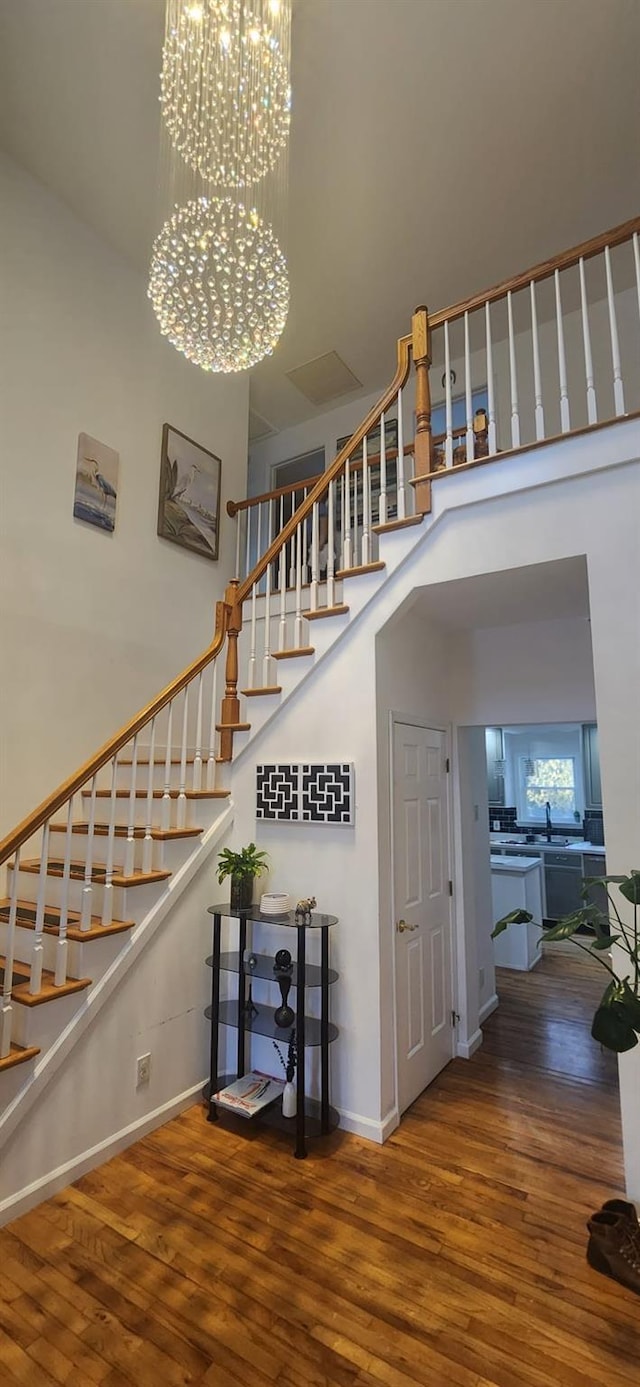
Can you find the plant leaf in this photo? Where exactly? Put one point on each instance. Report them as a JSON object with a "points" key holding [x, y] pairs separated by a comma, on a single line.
{"points": [[612, 1029], [515, 917], [604, 942], [631, 1003], [630, 887], [564, 929]]}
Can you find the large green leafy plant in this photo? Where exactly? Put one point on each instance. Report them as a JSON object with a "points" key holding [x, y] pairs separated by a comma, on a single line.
{"points": [[616, 1023]]}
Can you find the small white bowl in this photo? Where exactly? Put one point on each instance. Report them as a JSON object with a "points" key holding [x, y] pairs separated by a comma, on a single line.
{"points": [[274, 903]]}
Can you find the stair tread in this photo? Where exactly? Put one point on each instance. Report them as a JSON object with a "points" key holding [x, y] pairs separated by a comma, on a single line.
{"points": [[360, 568], [339, 610], [397, 524], [55, 868], [26, 919], [266, 689], [121, 831], [292, 654], [158, 794], [48, 991], [18, 1054]]}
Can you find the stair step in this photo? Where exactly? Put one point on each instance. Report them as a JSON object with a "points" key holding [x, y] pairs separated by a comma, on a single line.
{"points": [[159, 794], [26, 919], [268, 689], [18, 1054], [292, 654], [233, 727], [121, 831], [55, 868], [48, 991], [326, 611], [361, 568], [397, 524]]}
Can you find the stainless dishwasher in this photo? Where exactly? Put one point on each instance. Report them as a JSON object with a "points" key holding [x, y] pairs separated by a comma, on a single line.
{"points": [[563, 883]]}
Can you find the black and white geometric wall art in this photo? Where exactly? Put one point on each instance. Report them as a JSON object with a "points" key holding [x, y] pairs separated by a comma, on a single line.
{"points": [[309, 792]]}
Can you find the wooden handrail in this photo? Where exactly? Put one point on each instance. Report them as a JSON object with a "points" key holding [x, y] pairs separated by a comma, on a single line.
{"points": [[63, 794], [544, 270], [322, 486], [390, 455]]}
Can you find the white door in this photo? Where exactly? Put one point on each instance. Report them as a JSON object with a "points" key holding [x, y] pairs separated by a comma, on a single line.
{"points": [[422, 909]]}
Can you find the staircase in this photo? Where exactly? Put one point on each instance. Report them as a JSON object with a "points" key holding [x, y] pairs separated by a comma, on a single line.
{"points": [[95, 869]]}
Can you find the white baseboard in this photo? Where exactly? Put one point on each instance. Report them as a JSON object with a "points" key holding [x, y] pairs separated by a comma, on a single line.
{"points": [[48, 1185], [489, 1007], [366, 1126], [466, 1048]]}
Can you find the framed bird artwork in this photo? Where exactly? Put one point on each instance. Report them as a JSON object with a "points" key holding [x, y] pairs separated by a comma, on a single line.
{"points": [[189, 502], [96, 492]]}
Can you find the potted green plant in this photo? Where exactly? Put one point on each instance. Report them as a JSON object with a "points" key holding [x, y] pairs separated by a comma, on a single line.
{"points": [[243, 867], [616, 1023]]}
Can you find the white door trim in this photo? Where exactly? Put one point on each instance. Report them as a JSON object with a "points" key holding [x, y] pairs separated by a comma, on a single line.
{"points": [[432, 724]]}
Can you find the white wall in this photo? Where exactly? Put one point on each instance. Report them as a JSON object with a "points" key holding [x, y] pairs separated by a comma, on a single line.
{"points": [[539, 671], [91, 625]]}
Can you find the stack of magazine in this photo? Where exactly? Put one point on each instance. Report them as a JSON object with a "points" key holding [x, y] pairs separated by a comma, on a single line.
{"points": [[248, 1095]]}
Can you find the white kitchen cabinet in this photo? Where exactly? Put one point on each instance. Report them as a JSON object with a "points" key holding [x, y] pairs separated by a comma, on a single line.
{"points": [[516, 883]]}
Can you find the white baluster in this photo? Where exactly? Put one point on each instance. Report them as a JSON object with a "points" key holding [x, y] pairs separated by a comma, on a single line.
{"points": [[448, 408], [468, 394], [211, 757], [636, 257], [37, 955], [147, 846], [515, 415], [298, 618], [537, 378], [331, 540], [305, 544], [282, 577], [366, 503], [239, 515], [293, 545], [492, 439], [592, 409], [565, 417], [196, 781], [252, 649], [315, 561], [618, 388], [382, 499], [107, 894], [87, 887], [346, 527], [166, 796], [355, 522], [181, 816], [247, 560], [60, 976], [130, 849], [402, 495], [6, 1010], [266, 658]]}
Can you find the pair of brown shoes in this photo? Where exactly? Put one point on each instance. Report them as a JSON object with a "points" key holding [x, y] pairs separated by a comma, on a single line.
{"points": [[614, 1243]]}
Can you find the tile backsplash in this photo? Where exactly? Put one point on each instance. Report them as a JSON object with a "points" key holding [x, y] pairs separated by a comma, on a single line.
{"points": [[591, 828]]}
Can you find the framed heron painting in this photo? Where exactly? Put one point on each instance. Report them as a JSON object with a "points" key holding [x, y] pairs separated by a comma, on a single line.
{"points": [[189, 503], [96, 492]]}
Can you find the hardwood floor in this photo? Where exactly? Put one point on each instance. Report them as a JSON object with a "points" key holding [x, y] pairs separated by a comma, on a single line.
{"points": [[451, 1257]]}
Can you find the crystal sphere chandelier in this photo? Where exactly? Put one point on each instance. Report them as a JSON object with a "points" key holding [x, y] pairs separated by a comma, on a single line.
{"points": [[225, 89], [218, 281], [219, 284]]}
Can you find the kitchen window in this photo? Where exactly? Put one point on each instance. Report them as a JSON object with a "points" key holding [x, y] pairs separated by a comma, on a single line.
{"points": [[547, 779]]}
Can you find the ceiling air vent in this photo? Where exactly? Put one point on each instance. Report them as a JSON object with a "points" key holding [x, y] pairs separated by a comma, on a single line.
{"points": [[259, 427], [324, 379]]}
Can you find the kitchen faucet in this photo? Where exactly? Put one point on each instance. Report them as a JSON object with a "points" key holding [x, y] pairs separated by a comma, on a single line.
{"points": [[547, 815]]}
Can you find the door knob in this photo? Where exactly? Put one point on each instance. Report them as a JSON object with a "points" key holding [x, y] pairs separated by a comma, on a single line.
{"points": [[402, 926]]}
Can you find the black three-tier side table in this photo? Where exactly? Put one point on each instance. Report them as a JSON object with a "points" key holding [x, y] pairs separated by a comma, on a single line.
{"points": [[312, 1118]]}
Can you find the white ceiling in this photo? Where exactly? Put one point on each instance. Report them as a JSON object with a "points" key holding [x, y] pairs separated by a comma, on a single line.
{"points": [[437, 146], [537, 592]]}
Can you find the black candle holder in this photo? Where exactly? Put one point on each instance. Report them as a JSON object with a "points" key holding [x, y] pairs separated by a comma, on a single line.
{"points": [[285, 1015]]}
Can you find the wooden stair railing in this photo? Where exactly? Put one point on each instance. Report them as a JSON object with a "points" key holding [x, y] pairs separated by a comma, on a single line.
{"points": [[73, 899]]}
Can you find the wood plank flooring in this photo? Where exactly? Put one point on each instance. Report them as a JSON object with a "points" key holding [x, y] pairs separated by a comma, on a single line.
{"points": [[451, 1257]]}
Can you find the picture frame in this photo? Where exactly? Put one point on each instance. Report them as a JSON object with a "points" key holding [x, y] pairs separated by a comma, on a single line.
{"points": [[96, 490], [189, 497]]}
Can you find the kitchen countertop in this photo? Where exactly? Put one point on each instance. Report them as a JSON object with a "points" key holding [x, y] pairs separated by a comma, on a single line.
{"points": [[513, 863], [576, 847]]}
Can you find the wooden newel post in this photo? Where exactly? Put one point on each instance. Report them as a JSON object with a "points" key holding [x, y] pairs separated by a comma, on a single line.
{"points": [[230, 712], [422, 362]]}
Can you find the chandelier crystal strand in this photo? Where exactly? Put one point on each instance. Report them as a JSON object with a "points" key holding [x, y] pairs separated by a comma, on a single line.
{"points": [[225, 89], [218, 282]]}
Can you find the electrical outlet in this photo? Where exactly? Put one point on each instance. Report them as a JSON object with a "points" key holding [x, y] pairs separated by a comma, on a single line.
{"points": [[143, 1070]]}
